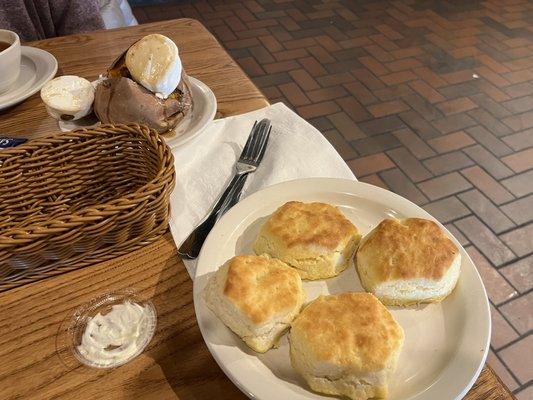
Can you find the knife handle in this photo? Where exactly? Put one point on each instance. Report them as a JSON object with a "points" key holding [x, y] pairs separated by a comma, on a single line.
{"points": [[233, 199], [190, 248]]}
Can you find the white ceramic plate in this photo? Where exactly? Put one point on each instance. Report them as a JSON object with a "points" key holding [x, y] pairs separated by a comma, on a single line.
{"points": [[445, 345], [36, 68], [203, 112]]}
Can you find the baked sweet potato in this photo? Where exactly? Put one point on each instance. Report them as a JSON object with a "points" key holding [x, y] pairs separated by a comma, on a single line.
{"points": [[119, 99]]}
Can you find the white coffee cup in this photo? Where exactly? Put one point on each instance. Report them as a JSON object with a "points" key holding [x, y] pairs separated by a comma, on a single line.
{"points": [[9, 59]]}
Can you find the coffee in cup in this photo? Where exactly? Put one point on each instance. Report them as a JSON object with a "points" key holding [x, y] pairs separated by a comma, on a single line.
{"points": [[9, 59]]}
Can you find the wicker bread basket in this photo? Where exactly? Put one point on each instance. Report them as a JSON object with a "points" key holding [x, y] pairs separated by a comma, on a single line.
{"points": [[74, 199]]}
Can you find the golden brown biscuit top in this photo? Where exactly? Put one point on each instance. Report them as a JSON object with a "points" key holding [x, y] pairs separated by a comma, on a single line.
{"points": [[262, 287], [407, 249], [350, 329], [310, 224]]}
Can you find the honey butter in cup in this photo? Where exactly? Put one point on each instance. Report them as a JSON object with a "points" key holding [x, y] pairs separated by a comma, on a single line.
{"points": [[68, 97], [9, 59], [112, 329]]}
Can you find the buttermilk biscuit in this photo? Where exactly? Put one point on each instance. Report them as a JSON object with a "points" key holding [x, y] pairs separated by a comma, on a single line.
{"points": [[346, 344], [315, 238], [256, 297], [408, 261]]}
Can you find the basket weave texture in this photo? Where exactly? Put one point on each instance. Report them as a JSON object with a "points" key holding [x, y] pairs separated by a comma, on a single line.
{"points": [[74, 199]]}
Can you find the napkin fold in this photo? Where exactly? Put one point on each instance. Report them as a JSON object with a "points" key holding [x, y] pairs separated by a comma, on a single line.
{"points": [[205, 165]]}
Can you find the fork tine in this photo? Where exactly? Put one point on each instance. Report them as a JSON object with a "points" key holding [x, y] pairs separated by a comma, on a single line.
{"points": [[254, 137], [263, 146], [259, 144], [259, 137], [247, 146]]}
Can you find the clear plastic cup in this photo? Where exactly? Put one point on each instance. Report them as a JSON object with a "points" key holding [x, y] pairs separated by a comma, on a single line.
{"points": [[111, 357]]}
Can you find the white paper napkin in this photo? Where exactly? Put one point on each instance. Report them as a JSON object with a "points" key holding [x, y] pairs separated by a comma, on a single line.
{"points": [[205, 165]]}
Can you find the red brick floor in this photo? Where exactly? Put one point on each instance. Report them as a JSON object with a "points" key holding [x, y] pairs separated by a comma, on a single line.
{"points": [[430, 99]]}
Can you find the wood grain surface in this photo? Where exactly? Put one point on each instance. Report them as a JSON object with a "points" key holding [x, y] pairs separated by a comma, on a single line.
{"points": [[35, 360], [89, 55]]}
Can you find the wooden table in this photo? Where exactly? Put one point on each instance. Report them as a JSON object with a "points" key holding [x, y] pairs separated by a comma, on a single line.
{"points": [[177, 364]]}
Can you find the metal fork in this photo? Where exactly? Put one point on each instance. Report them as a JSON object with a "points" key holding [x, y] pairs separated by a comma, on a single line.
{"points": [[249, 160]]}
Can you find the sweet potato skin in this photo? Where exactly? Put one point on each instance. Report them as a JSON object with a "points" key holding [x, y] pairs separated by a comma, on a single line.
{"points": [[120, 100]]}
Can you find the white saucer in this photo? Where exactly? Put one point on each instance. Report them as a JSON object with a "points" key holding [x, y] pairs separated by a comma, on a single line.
{"points": [[204, 110], [36, 68]]}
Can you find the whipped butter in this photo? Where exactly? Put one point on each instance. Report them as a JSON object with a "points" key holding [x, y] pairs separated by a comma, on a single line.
{"points": [[68, 97], [154, 62], [114, 338]]}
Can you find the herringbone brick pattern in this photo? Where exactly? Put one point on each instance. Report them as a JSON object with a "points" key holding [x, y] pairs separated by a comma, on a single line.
{"points": [[430, 99]]}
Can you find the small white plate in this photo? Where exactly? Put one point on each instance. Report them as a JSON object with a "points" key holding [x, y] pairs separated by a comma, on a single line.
{"points": [[446, 344], [203, 112], [36, 68]]}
